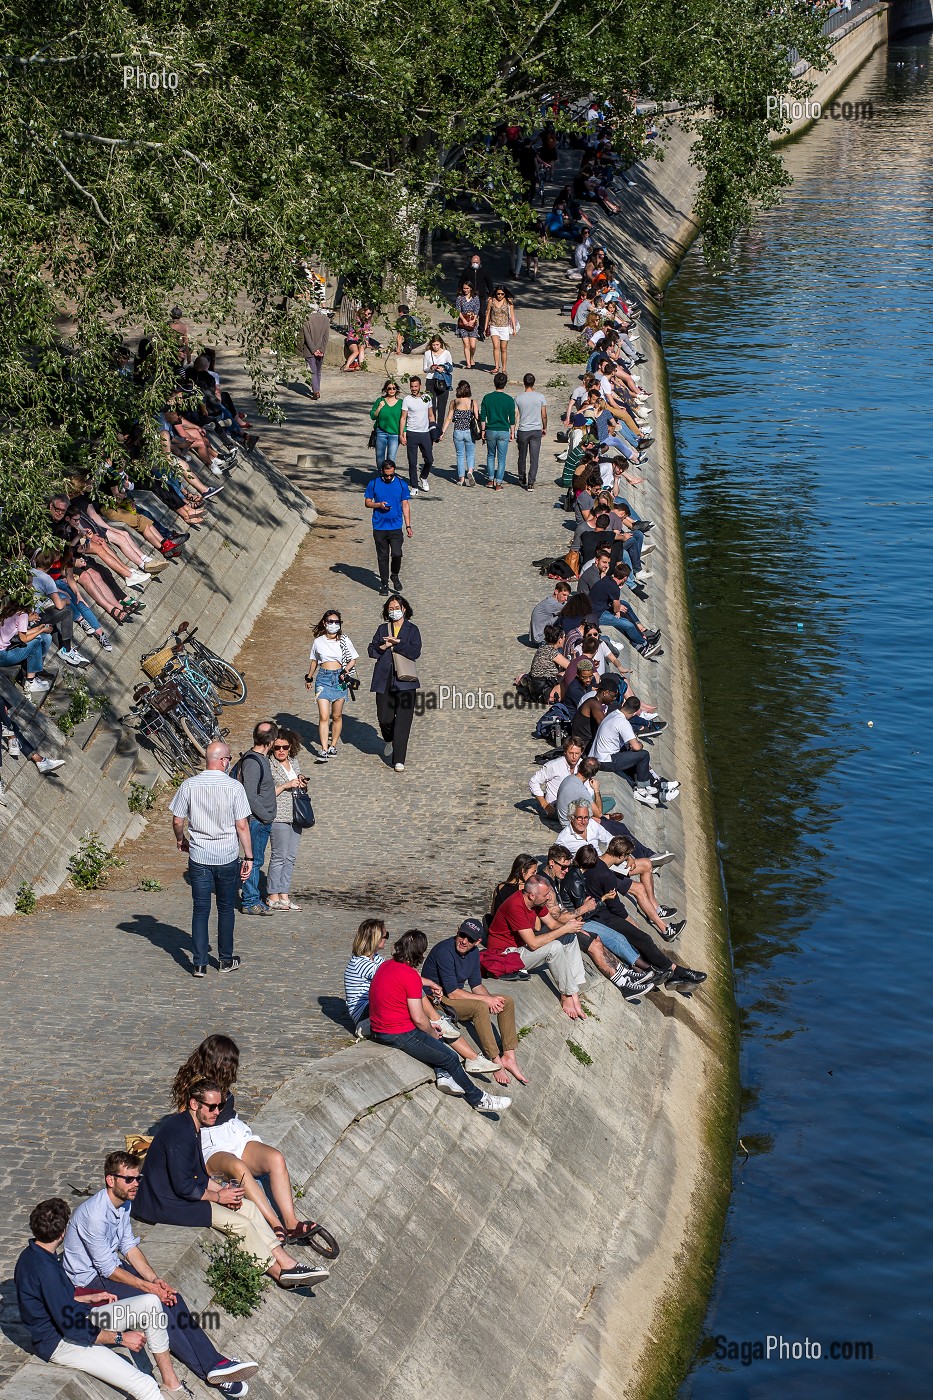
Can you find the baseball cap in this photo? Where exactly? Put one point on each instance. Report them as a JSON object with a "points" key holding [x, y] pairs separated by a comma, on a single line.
{"points": [[472, 929]]}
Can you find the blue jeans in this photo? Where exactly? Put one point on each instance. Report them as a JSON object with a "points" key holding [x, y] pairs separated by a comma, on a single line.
{"points": [[33, 653], [429, 1051], [220, 881], [78, 608], [620, 445], [386, 446], [615, 942], [632, 548], [497, 447], [625, 625], [466, 451], [260, 833]]}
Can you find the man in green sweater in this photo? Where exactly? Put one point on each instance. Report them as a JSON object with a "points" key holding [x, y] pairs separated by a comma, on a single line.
{"points": [[498, 416]]}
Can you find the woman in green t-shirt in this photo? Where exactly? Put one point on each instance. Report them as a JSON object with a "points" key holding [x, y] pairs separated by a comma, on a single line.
{"points": [[386, 414]]}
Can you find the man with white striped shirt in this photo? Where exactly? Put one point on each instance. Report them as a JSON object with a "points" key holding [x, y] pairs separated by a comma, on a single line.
{"points": [[217, 811]]}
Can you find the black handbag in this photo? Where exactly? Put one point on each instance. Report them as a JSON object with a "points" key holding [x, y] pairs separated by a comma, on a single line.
{"points": [[302, 811], [372, 438]]}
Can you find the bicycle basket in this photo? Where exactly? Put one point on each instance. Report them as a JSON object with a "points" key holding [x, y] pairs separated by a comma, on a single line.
{"points": [[155, 663], [166, 699]]}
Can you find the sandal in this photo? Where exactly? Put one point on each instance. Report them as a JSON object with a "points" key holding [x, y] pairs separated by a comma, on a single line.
{"points": [[320, 1240]]}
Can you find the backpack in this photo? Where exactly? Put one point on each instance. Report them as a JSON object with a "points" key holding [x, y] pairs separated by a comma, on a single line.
{"points": [[554, 724]]}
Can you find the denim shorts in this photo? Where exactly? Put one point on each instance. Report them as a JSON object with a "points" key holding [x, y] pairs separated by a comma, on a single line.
{"points": [[328, 687]]}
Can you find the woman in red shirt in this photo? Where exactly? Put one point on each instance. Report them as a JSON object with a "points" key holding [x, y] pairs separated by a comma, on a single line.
{"points": [[398, 1019]]}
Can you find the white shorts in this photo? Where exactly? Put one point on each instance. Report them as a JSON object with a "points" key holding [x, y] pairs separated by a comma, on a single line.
{"points": [[230, 1137], [500, 332]]}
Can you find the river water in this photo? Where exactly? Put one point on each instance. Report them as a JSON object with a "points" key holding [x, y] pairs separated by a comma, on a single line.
{"points": [[803, 411]]}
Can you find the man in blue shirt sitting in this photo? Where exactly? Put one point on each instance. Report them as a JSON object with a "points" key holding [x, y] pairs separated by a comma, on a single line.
{"points": [[102, 1251], [454, 965], [387, 497], [61, 1329]]}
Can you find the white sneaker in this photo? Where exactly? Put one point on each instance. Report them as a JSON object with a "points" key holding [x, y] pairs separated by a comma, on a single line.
{"points": [[425, 484], [12, 744], [493, 1103], [412, 490], [73, 656], [400, 768], [37, 686], [137, 579], [85, 626], [643, 575], [216, 467], [480, 1065], [447, 1028], [646, 796], [648, 547], [3, 801], [447, 1085], [49, 765]]}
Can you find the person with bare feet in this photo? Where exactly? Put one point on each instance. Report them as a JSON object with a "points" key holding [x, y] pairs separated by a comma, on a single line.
{"points": [[524, 934], [454, 964]]}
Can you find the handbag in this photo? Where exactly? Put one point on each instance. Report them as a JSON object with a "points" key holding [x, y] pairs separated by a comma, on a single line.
{"points": [[372, 439], [572, 560], [476, 431], [302, 811], [405, 669]]}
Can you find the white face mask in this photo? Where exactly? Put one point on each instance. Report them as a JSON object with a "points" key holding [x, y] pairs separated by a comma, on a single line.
{"points": [[332, 626], [395, 614]]}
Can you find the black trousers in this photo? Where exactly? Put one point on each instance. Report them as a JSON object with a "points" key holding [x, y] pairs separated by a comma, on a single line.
{"points": [[186, 1340], [395, 710], [529, 450], [388, 544], [61, 621], [618, 828], [415, 443], [640, 941]]}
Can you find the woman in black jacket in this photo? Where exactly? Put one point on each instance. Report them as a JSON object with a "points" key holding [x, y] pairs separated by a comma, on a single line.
{"points": [[395, 682]]}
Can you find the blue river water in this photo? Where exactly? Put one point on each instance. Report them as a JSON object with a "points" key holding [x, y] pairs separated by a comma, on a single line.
{"points": [[803, 411]]}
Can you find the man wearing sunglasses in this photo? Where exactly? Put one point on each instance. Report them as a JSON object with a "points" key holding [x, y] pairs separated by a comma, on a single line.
{"points": [[102, 1253]]}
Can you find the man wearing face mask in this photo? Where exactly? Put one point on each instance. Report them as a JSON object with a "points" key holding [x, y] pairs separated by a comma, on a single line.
{"points": [[482, 284], [387, 497], [395, 648]]}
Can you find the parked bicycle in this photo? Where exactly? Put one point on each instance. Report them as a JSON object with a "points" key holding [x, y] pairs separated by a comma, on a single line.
{"points": [[205, 671]]}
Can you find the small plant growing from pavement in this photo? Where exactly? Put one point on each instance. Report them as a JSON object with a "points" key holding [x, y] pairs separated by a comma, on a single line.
{"points": [[80, 705], [237, 1279], [140, 798], [558, 382], [570, 352], [149, 886], [579, 1053], [25, 901], [91, 863]]}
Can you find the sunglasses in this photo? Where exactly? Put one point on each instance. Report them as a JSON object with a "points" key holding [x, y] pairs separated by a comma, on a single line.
{"points": [[211, 1107], [278, 747], [121, 1177]]}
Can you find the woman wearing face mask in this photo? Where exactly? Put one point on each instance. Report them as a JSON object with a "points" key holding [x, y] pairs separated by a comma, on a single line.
{"points": [[333, 657], [395, 648]]}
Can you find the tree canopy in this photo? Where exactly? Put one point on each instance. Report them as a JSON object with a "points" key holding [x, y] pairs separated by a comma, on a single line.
{"points": [[334, 129]]}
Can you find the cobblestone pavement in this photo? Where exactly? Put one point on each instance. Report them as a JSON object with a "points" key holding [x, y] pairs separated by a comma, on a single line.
{"points": [[100, 1009]]}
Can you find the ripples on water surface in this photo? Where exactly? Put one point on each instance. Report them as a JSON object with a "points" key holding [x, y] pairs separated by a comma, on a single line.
{"points": [[803, 407]]}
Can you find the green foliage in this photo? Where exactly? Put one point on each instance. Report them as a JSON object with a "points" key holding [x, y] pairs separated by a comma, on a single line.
{"points": [[25, 901], [80, 705], [579, 1053], [559, 381], [526, 1030], [141, 799], [91, 863], [237, 1279], [149, 886], [572, 351]]}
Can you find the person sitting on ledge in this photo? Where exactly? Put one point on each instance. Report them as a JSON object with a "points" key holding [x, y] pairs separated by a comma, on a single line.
{"points": [[618, 751], [524, 934], [102, 1252], [398, 1019], [582, 830], [548, 610], [543, 783], [454, 964], [177, 1190], [63, 1330], [230, 1146]]}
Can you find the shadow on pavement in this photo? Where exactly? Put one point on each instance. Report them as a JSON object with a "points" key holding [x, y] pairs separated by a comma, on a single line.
{"points": [[168, 937]]}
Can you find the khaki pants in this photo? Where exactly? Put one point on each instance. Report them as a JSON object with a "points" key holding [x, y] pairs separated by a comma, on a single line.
{"points": [[467, 1008], [107, 1366], [252, 1230]]}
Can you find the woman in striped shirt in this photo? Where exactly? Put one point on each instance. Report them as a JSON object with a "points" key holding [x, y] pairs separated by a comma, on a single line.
{"points": [[371, 938]]}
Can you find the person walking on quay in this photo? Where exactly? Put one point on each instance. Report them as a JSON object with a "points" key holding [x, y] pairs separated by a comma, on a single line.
{"points": [[439, 372], [286, 831], [387, 497], [481, 282], [467, 307], [532, 427], [333, 657], [255, 773], [415, 433], [395, 648], [497, 416], [500, 324], [315, 333], [386, 414], [463, 413], [217, 811]]}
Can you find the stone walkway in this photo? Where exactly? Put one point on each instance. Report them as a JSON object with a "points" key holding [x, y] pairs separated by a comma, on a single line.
{"points": [[100, 1008]]}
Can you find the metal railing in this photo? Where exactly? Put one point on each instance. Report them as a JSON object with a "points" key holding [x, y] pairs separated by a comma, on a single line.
{"points": [[835, 20]]}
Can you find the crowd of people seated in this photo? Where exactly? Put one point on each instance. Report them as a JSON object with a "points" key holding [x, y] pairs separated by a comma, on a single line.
{"points": [[109, 536], [203, 1167]]}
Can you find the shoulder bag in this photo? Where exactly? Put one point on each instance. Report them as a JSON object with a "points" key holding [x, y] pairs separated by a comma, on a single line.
{"points": [[405, 669], [302, 811]]}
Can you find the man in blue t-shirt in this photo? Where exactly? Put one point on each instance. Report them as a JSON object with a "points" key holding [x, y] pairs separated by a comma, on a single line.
{"points": [[454, 965], [387, 497]]}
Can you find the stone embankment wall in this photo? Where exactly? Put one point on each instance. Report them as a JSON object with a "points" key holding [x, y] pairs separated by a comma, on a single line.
{"points": [[257, 524]]}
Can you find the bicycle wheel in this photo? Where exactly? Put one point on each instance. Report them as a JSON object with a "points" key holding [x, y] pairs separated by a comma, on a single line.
{"points": [[193, 731], [226, 679]]}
